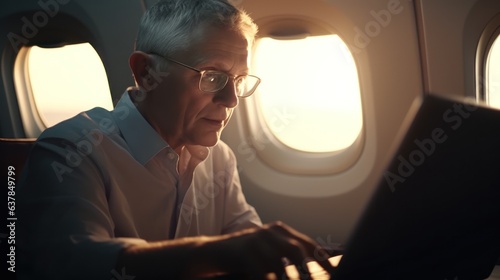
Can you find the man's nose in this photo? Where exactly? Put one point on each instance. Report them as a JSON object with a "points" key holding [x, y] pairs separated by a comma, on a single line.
{"points": [[228, 95]]}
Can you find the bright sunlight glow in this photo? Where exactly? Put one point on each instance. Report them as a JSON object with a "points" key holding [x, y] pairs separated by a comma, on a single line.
{"points": [[66, 81], [493, 75], [309, 95]]}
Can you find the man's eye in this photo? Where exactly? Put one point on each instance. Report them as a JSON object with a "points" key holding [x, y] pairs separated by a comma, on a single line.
{"points": [[214, 78], [214, 81], [240, 81]]}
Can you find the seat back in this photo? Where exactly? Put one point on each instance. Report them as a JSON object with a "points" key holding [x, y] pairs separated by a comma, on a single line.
{"points": [[14, 152]]}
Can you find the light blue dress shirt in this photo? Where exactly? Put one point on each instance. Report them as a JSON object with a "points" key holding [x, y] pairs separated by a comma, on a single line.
{"points": [[103, 180]]}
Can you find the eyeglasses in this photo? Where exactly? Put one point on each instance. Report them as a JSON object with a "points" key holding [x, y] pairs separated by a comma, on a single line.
{"points": [[212, 81]]}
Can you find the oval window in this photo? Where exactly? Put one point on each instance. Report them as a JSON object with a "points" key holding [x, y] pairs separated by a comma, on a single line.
{"points": [[309, 95], [61, 82]]}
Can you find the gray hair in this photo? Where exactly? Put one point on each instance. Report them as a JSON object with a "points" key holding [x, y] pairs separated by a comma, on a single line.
{"points": [[168, 25]]}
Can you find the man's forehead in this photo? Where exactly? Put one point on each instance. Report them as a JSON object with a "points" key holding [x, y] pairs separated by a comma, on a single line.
{"points": [[211, 36], [225, 61], [217, 47]]}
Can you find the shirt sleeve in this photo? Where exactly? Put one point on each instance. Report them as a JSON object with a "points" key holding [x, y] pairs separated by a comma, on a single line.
{"points": [[238, 213], [65, 229]]}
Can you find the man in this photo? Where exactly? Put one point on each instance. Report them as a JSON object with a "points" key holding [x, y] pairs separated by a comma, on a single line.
{"points": [[148, 190]]}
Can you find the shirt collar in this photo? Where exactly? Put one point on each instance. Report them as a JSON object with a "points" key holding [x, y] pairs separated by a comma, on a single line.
{"points": [[143, 141]]}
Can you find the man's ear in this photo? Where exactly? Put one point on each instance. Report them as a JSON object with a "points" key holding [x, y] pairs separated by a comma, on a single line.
{"points": [[141, 66]]}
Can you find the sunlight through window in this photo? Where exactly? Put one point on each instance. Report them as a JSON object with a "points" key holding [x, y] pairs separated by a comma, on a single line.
{"points": [[310, 95], [493, 75], [66, 81]]}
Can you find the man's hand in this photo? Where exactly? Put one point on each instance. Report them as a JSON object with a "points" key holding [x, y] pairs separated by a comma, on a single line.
{"points": [[259, 251], [254, 253]]}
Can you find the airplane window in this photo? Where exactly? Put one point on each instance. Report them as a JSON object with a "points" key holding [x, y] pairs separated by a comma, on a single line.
{"points": [[309, 95], [493, 75], [63, 81]]}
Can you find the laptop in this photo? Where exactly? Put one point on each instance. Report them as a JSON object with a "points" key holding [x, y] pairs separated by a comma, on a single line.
{"points": [[435, 213]]}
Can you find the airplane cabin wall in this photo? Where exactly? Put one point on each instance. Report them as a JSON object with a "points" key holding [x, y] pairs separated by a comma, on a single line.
{"points": [[450, 36]]}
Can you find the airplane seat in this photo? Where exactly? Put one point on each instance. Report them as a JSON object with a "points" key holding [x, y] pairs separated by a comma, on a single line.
{"points": [[15, 152]]}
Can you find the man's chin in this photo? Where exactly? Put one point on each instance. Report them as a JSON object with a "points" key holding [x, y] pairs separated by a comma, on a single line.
{"points": [[210, 141]]}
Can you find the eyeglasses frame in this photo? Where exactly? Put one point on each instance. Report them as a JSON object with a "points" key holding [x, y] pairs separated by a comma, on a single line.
{"points": [[201, 72]]}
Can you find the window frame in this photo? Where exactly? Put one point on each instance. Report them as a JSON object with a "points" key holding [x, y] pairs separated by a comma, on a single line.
{"points": [[33, 123], [262, 143], [486, 40]]}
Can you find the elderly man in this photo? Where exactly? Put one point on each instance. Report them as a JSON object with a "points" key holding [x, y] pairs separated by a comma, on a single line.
{"points": [[148, 190]]}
